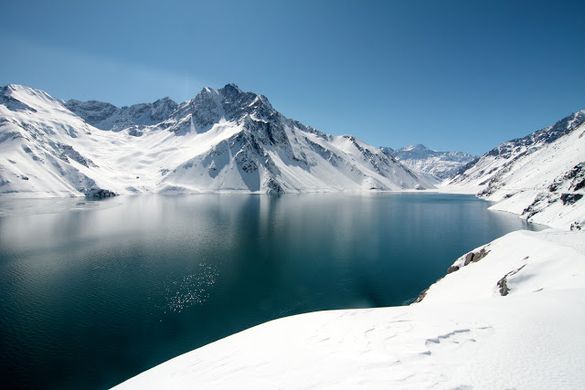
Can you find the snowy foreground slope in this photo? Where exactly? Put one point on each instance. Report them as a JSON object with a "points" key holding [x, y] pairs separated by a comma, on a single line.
{"points": [[509, 316], [221, 140], [540, 177]]}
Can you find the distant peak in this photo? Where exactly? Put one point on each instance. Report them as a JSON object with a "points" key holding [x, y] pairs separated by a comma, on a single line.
{"points": [[15, 87], [409, 148], [24, 90], [231, 89], [232, 92], [165, 100], [232, 86]]}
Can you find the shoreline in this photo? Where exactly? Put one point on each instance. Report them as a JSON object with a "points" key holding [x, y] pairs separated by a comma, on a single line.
{"points": [[463, 324]]}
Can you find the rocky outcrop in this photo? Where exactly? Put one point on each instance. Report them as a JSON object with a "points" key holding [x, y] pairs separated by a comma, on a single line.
{"points": [[503, 287], [471, 257], [570, 198], [99, 193]]}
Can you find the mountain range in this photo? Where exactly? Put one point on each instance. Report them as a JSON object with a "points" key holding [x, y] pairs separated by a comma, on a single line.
{"points": [[228, 140], [540, 176], [222, 140], [438, 165]]}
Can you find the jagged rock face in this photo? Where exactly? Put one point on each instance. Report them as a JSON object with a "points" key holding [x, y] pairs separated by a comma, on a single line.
{"points": [[489, 171], [93, 112], [540, 176], [420, 159], [567, 189], [106, 116], [520, 146], [573, 180], [229, 103], [8, 101], [221, 140]]}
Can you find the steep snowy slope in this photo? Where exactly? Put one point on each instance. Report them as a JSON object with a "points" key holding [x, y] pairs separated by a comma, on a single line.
{"points": [[221, 140], [541, 176], [441, 165], [510, 318]]}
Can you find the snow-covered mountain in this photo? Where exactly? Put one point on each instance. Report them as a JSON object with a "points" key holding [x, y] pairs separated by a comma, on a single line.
{"points": [[221, 140], [440, 165], [540, 176], [106, 116]]}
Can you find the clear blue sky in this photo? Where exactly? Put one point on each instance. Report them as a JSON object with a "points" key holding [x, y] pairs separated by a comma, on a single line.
{"points": [[455, 75]]}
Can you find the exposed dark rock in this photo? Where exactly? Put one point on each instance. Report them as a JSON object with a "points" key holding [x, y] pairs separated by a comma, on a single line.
{"points": [[13, 104], [106, 116], [273, 187], [575, 178], [135, 132], [480, 255], [421, 296], [67, 152], [99, 193], [470, 257], [510, 152], [502, 284], [475, 256], [570, 198]]}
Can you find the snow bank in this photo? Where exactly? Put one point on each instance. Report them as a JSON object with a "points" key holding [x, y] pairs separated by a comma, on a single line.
{"points": [[465, 333]]}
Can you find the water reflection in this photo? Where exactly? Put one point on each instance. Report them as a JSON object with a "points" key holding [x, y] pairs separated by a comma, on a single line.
{"points": [[95, 292]]}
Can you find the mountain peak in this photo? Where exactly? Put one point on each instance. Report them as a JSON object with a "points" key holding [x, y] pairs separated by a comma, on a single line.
{"points": [[247, 146], [13, 87], [18, 97], [231, 88], [229, 91], [416, 147], [421, 159], [9, 89]]}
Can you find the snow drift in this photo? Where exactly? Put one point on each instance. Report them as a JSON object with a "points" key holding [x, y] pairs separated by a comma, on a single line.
{"points": [[467, 332]]}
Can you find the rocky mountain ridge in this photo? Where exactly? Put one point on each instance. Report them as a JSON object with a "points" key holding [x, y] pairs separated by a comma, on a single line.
{"points": [[221, 140], [436, 164], [539, 176]]}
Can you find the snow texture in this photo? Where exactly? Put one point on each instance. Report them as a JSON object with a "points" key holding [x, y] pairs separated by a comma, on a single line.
{"points": [[463, 334], [428, 162], [221, 140], [540, 177]]}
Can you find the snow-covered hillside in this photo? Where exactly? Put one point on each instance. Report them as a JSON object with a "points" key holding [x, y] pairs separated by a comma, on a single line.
{"points": [[541, 176], [221, 140], [508, 316], [440, 165]]}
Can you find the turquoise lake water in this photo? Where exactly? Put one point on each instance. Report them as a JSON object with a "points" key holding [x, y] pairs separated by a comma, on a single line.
{"points": [[96, 292]]}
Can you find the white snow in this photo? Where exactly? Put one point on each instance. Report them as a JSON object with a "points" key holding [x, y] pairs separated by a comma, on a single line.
{"points": [[431, 163], [464, 334], [47, 150], [521, 182]]}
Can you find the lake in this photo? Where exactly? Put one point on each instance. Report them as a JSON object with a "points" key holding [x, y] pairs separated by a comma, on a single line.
{"points": [[96, 292]]}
